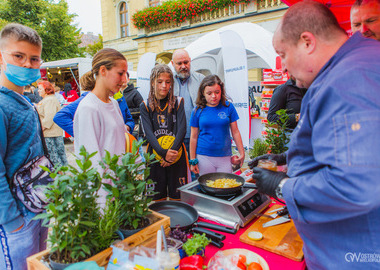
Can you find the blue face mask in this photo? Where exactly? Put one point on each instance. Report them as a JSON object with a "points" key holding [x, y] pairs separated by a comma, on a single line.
{"points": [[21, 76]]}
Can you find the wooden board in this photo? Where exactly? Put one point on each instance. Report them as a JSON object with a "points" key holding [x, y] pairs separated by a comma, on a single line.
{"points": [[281, 239], [145, 237]]}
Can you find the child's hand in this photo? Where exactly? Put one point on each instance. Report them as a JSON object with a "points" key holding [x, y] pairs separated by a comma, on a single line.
{"points": [[171, 155], [194, 169], [235, 160]]}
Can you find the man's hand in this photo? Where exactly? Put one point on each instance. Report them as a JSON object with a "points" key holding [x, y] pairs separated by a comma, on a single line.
{"points": [[279, 158], [267, 181]]}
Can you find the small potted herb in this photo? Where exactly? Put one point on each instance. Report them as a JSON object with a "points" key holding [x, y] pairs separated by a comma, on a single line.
{"points": [[277, 134], [196, 244], [130, 187]]}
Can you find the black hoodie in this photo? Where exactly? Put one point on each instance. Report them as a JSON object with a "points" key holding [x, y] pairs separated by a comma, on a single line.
{"points": [[134, 99]]}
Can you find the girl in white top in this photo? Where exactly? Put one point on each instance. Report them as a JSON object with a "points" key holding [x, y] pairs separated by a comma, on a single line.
{"points": [[98, 122]]}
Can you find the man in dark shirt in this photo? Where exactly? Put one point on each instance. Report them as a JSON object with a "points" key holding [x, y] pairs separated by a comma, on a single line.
{"points": [[286, 96], [28, 92]]}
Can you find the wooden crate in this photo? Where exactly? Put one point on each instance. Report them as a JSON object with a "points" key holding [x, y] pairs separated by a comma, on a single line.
{"points": [[145, 237]]}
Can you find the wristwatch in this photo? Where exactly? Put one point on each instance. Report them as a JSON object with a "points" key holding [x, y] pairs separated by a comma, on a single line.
{"points": [[279, 188], [193, 161]]}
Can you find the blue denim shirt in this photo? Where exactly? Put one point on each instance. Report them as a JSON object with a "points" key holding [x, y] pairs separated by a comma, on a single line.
{"points": [[20, 142], [333, 193]]}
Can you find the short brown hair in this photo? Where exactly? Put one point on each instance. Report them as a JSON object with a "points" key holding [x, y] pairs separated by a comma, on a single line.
{"points": [[309, 16], [358, 3], [48, 87], [19, 32]]}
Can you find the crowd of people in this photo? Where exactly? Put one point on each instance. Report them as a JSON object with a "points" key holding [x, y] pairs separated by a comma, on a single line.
{"points": [[331, 186]]}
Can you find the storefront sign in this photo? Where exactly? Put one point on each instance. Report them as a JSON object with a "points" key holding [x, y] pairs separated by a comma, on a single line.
{"points": [[180, 42]]}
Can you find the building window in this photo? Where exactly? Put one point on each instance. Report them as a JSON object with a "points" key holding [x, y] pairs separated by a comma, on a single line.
{"points": [[123, 12], [154, 3]]}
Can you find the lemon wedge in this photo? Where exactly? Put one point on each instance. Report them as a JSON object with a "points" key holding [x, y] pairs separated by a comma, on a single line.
{"points": [[256, 236]]}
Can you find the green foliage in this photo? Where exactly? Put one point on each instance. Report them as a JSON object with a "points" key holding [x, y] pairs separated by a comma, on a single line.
{"points": [[131, 185], [73, 212], [277, 135], [51, 20], [259, 148], [178, 11], [92, 49], [108, 224], [195, 244]]}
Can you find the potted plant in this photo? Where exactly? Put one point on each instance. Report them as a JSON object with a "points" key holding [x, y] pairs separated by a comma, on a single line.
{"points": [[277, 134], [259, 148], [130, 186], [78, 227]]}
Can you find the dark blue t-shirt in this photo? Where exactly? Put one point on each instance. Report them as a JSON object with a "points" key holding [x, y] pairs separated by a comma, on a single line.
{"points": [[214, 129]]}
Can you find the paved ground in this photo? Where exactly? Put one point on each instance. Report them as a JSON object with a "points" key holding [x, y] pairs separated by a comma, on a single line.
{"points": [[69, 147]]}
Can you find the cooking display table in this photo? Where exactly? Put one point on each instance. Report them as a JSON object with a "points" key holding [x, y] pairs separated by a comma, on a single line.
{"points": [[275, 262]]}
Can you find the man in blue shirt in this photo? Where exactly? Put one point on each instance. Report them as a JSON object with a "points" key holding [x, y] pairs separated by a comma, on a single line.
{"points": [[333, 182]]}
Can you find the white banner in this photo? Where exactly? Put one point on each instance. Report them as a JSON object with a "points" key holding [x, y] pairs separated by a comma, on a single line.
{"points": [[144, 68], [236, 79]]}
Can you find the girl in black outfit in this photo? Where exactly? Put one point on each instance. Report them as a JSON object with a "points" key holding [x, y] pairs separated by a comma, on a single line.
{"points": [[164, 122]]}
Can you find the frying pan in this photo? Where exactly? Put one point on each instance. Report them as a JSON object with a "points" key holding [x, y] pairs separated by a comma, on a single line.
{"points": [[223, 191], [180, 213]]}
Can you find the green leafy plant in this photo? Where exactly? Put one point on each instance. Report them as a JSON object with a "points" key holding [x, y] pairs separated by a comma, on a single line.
{"points": [[73, 213], [178, 11], [195, 244], [131, 186], [259, 148], [277, 135], [108, 224]]}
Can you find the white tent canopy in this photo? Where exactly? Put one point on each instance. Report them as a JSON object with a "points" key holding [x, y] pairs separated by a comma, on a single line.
{"points": [[205, 52]]}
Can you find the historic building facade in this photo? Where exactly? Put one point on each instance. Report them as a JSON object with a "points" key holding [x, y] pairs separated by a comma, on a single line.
{"points": [[120, 33]]}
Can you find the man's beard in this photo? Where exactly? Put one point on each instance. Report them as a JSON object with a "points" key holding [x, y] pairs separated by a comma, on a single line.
{"points": [[183, 74]]}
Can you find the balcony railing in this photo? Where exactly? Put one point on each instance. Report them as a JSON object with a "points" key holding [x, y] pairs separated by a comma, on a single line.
{"points": [[236, 11]]}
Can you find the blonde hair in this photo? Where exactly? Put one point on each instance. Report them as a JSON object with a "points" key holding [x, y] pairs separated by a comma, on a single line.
{"points": [[156, 72], [105, 57]]}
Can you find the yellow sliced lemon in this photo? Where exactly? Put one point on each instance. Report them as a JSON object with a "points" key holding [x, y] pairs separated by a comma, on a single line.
{"points": [[256, 236]]}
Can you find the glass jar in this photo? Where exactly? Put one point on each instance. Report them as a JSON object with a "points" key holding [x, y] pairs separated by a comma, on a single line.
{"points": [[267, 164]]}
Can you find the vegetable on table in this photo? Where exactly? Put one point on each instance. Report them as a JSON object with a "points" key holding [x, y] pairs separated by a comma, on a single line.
{"points": [[195, 244], [242, 262], [194, 262], [254, 266]]}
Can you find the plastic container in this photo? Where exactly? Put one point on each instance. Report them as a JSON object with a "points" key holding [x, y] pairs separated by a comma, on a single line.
{"points": [[169, 260]]}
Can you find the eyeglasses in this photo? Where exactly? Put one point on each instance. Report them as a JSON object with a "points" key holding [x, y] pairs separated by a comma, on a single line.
{"points": [[21, 59]]}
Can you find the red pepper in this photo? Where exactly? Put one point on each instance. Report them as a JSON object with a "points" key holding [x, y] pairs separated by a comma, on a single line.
{"points": [[194, 262]]}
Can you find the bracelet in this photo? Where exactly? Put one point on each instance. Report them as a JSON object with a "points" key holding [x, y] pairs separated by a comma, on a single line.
{"points": [[193, 161]]}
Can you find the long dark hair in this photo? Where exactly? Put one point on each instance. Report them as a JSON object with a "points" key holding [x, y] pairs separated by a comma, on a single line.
{"points": [[156, 72], [210, 80]]}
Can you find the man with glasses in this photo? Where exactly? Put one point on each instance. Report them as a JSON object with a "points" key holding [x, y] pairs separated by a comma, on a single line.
{"points": [[20, 142]]}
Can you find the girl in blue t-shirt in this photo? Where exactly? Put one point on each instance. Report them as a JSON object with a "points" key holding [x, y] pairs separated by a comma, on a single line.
{"points": [[211, 121]]}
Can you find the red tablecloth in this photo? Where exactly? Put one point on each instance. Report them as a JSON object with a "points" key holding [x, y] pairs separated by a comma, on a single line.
{"points": [[275, 262]]}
